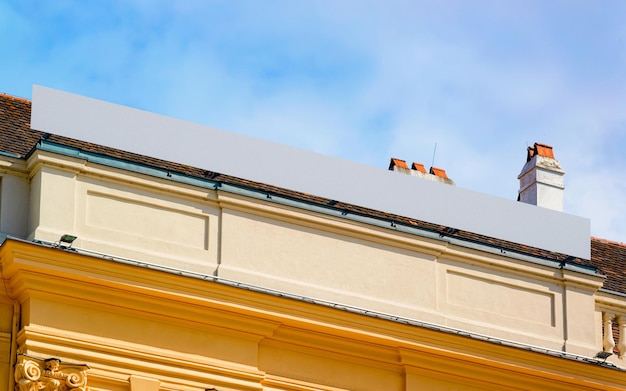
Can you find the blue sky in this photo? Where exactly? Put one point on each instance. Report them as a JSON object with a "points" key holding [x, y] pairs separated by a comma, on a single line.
{"points": [[362, 80]]}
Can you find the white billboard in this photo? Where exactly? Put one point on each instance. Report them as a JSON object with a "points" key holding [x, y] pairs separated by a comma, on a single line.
{"points": [[166, 138]]}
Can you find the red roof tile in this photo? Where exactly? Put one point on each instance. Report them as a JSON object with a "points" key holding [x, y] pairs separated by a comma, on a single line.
{"points": [[438, 172], [16, 136], [610, 259], [397, 163], [418, 167], [544, 150], [540, 149]]}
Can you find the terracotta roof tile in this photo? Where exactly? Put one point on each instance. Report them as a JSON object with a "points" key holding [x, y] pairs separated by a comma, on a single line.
{"points": [[610, 259], [17, 138], [418, 167], [397, 163], [438, 172], [544, 150], [540, 149]]}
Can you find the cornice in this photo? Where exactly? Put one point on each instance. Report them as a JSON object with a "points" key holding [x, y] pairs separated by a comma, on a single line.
{"points": [[115, 359], [77, 165], [13, 166], [610, 302], [49, 273]]}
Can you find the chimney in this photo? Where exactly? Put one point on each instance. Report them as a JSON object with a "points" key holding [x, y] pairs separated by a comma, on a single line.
{"points": [[418, 170], [541, 179]]}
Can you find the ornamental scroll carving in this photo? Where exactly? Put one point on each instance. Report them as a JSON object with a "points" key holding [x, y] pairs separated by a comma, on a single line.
{"points": [[51, 374]]}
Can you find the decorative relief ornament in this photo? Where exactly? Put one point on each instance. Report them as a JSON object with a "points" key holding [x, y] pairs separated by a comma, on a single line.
{"points": [[50, 374]]}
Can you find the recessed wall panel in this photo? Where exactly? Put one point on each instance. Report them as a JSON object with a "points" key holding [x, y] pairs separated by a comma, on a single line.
{"points": [[321, 264], [507, 304], [146, 221]]}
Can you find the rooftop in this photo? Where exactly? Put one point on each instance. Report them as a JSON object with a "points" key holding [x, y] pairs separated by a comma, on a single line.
{"points": [[18, 139]]}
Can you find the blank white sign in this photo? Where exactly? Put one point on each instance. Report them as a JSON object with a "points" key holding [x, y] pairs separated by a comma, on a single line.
{"points": [[170, 139]]}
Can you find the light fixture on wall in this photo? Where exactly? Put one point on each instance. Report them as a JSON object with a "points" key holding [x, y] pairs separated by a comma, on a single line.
{"points": [[603, 355], [66, 241]]}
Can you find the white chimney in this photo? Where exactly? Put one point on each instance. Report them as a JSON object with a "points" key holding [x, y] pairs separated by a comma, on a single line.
{"points": [[541, 179]]}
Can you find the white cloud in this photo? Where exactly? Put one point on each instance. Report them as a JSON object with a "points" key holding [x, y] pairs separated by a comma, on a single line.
{"points": [[360, 80]]}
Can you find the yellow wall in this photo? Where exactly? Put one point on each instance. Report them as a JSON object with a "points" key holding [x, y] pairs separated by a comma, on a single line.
{"points": [[143, 329]]}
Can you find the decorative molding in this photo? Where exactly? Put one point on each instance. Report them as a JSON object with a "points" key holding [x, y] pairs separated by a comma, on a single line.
{"points": [[50, 374], [140, 383]]}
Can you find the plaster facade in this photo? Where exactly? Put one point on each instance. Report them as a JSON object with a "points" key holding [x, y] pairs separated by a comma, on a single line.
{"points": [[144, 329], [304, 252], [183, 283]]}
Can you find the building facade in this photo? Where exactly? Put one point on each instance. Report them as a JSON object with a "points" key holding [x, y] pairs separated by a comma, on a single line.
{"points": [[126, 272]]}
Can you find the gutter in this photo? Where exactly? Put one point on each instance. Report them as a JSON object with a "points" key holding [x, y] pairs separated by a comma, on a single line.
{"points": [[12, 155]]}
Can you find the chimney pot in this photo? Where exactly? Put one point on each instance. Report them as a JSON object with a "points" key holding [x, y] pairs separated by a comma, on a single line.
{"points": [[418, 167], [544, 150], [397, 163], [418, 170], [438, 172]]}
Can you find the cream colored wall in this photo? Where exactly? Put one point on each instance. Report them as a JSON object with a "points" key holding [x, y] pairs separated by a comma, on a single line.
{"points": [[344, 262], [519, 306], [124, 214], [302, 252], [313, 262], [14, 198]]}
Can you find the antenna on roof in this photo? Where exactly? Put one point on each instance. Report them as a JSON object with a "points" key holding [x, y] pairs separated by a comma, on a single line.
{"points": [[432, 164]]}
